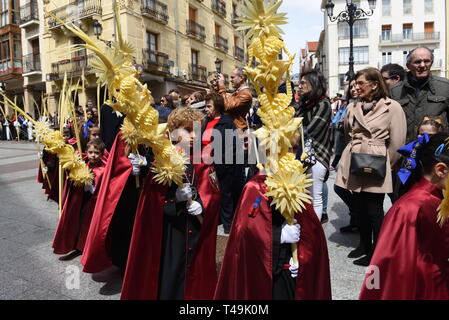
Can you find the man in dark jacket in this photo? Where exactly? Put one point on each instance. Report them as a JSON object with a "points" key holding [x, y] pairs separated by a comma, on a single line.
{"points": [[421, 93], [222, 151]]}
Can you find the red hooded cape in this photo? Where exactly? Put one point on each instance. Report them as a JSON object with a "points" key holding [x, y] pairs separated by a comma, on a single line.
{"points": [[72, 229], [142, 272], [412, 250], [246, 272], [95, 256]]}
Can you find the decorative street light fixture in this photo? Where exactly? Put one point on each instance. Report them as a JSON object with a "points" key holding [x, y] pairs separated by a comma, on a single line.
{"points": [[98, 29], [350, 15]]}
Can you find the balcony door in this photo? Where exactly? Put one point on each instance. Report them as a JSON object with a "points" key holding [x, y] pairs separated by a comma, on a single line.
{"points": [[192, 14], [429, 30], [35, 53], [386, 32], [152, 46], [150, 4], [195, 59], [35, 46], [407, 31], [81, 52]]}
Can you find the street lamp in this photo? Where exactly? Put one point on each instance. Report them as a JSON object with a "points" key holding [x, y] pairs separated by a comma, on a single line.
{"points": [[350, 15], [98, 29]]}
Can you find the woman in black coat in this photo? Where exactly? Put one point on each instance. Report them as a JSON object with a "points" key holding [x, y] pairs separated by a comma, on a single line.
{"points": [[221, 152]]}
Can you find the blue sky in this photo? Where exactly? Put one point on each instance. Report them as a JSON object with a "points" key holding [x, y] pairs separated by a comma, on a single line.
{"points": [[305, 22]]}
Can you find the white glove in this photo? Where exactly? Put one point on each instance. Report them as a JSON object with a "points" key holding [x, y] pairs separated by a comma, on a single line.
{"points": [[136, 170], [16, 124], [184, 193], [137, 161], [44, 170], [89, 188], [290, 234], [293, 268], [194, 208]]}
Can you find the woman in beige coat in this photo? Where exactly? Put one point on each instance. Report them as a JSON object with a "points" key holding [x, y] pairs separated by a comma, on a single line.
{"points": [[375, 125]]}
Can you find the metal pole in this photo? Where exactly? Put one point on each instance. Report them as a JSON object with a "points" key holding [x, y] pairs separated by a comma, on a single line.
{"points": [[351, 73]]}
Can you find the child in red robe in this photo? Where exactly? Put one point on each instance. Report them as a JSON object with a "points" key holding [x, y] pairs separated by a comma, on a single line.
{"points": [[172, 254], [411, 257], [79, 203], [257, 264]]}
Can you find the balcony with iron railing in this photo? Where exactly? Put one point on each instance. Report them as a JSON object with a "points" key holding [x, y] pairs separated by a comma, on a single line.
{"points": [[221, 43], [155, 62], [74, 11], [219, 7], [73, 67], [197, 72], [31, 63], [408, 38], [29, 14], [196, 30], [239, 53], [155, 10]]}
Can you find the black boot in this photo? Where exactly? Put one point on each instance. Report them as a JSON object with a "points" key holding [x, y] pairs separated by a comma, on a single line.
{"points": [[324, 218], [349, 229], [364, 262], [357, 252]]}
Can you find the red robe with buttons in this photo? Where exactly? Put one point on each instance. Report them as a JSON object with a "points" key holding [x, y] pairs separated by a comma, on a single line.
{"points": [[410, 261], [246, 272], [74, 223], [143, 268]]}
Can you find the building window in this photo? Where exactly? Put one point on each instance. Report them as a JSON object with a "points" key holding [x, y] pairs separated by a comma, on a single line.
{"points": [[429, 29], [10, 53], [150, 4], [81, 52], [361, 55], [152, 45], [341, 81], [192, 14], [404, 58], [407, 6], [428, 6], [407, 31], [386, 8], [195, 58], [386, 58], [360, 29], [4, 13], [386, 32]]}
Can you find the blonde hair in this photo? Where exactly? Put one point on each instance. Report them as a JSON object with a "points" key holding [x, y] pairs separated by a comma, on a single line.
{"points": [[184, 118]]}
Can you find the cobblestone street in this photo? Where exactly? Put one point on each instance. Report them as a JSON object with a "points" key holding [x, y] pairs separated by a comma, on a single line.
{"points": [[29, 269]]}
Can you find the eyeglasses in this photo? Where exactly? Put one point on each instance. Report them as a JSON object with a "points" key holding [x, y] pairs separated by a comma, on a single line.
{"points": [[418, 62], [361, 83], [390, 78]]}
